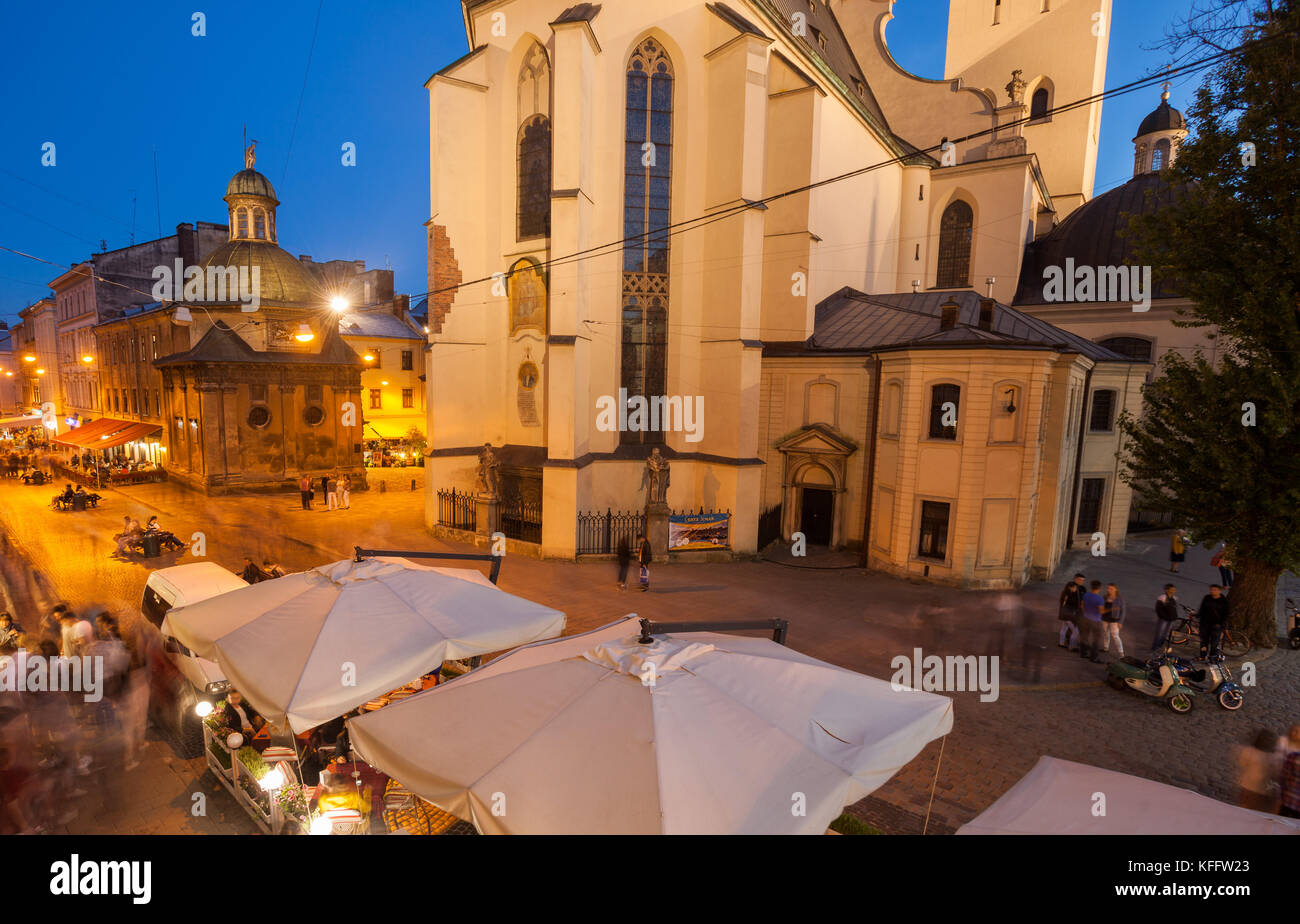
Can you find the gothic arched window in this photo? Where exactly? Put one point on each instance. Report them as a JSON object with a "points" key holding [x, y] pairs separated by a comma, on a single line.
{"points": [[1038, 104], [534, 204], [533, 146], [955, 231], [647, 166]]}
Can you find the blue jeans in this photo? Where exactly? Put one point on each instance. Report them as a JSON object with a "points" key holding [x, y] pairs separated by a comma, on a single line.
{"points": [[1162, 634]]}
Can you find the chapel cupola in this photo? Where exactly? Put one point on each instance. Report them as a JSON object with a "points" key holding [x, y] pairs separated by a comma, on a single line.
{"points": [[1158, 137], [252, 203]]}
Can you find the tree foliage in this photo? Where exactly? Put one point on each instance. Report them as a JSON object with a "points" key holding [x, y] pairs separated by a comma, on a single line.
{"points": [[1231, 240]]}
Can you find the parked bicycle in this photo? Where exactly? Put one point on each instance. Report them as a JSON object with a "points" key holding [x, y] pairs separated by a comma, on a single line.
{"points": [[1234, 643]]}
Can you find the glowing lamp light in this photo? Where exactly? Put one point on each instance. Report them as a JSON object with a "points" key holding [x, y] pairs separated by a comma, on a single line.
{"points": [[204, 709], [235, 741], [369, 357], [339, 303], [321, 825], [304, 334], [87, 359], [40, 371], [9, 375], [384, 382], [272, 781], [29, 358]]}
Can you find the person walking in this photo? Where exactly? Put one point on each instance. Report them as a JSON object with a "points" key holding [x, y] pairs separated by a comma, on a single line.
{"points": [[1213, 614], [345, 492], [1092, 603], [1221, 560], [1259, 767], [1113, 612], [624, 561], [324, 486], [1166, 613], [304, 488], [1071, 612], [1177, 549], [332, 493], [644, 556], [1291, 776]]}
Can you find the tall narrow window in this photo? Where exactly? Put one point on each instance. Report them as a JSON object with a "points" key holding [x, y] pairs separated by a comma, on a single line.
{"points": [[1102, 418], [533, 148], [1160, 156], [945, 401], [955, 230], [647, 168], [1038, 104], [1092, 491], [242, 223], [259, 224], [933, 539]]}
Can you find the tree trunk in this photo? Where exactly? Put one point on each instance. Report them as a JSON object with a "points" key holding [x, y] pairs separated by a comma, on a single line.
{"points": [[1253, 602]]}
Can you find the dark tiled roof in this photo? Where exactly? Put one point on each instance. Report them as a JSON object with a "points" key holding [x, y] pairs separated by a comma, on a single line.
{"points": [[850, 321], [1094, 235], [1162, 119], [222, 345], [583, 12], [837, 54]]}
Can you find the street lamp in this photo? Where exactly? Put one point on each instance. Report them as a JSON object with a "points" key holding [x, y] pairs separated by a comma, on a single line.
{"points": [[304, 334], [88, 359], [29, 358], [339, 303]]}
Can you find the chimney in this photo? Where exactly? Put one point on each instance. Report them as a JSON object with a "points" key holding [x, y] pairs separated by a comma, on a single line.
{"points": [[986, 313], [401, 305], [948, 315], [187, 244]]}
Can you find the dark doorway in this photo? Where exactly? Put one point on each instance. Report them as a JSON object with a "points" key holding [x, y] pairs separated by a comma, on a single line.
{"points": [[815, 520], [1090, 497]]}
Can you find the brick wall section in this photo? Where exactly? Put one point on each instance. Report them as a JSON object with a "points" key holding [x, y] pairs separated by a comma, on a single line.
{"points": [[444, 272]]}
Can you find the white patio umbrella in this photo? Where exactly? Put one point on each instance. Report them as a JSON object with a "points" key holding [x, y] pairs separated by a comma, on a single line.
{"points": [[1061, 797], [735, 735], [309, 647]]}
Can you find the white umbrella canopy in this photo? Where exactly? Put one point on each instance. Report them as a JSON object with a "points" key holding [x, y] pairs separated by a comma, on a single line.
{"points": [[736, 735], [1060, 797], [309, 647]]}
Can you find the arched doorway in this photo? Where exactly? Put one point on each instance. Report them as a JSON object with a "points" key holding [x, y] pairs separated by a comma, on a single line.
{"points": [[817, 505]]}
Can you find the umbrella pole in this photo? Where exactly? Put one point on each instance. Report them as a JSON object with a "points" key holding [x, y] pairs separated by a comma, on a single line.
{"points": [[933, 784]]}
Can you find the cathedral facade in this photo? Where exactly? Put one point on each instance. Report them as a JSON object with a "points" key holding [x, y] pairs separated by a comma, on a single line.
{"points": [[748, 208]]}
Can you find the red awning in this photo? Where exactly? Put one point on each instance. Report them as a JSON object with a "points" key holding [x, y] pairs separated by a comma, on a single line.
{"points": [[133, 432], [86, 431], [107, 432]]}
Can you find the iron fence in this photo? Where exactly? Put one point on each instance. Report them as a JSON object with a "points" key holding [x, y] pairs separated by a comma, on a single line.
{"points": [[603, 533], [457, 510], [521, 519]]}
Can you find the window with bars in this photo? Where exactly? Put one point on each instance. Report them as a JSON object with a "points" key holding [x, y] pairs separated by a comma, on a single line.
{"points": [[648, 148], [1102, 417], [1091, 493], [940, 396], [955, 232], [408, 397], [933, 539]]}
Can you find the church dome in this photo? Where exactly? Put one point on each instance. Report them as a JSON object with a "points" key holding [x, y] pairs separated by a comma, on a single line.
{"points": [[282, 280], [1164, 118], [1094, 235], [249, 182]]}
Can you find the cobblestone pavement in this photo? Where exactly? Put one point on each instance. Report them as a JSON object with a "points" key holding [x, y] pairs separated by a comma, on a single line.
{"points": [[1050, 702]]}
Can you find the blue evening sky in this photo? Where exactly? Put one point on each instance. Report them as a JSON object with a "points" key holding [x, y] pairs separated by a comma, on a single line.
{"points": [[112, 83]]}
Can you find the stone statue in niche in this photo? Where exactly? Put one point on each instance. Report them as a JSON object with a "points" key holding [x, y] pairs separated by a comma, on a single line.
{"points": [[655, 478]]}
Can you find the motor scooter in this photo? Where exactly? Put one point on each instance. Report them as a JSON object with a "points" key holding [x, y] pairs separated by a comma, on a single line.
{"points": [[1215, 678], [1157, 678]]}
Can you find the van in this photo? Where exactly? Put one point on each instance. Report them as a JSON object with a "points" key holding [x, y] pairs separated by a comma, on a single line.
{"points": [[179, 679]]}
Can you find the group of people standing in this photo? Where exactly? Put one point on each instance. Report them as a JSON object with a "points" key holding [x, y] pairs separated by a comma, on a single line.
{"points": [[336, 491], [1091, 617]]}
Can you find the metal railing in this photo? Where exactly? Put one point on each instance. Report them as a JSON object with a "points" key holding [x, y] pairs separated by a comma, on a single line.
{"points": [[457, 509], [603, 533], [521, 519]]}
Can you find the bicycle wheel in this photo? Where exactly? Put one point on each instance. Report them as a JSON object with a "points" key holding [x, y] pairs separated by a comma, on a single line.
{"points": [[1235, 644], [1178, 634]]}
